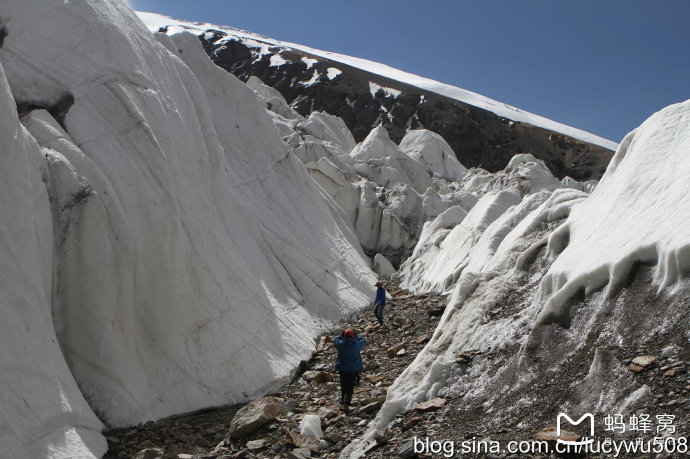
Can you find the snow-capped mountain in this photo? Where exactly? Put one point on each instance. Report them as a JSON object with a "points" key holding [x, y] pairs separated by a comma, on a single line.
{"points": [[482, 132]]}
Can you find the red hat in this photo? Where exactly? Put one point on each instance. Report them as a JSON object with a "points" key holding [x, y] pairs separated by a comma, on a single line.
{"points": [[349, 333]]}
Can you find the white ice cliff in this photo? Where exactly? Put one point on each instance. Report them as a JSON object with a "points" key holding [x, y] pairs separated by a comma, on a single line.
{"points": [[163, 250], [42, 409]]}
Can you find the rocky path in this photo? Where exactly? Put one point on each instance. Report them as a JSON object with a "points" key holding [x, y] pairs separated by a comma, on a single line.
{"points": [[410, 321]]}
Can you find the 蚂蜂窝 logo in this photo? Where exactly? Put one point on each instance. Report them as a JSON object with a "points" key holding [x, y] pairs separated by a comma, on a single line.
{"points": [[588, 441]]}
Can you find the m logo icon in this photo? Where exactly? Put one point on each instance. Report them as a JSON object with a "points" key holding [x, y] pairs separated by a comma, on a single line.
{"points": [[562, 416]]}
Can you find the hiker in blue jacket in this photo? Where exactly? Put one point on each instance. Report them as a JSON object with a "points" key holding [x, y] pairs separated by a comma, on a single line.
{"points": [[379, 302], [348, 363]]}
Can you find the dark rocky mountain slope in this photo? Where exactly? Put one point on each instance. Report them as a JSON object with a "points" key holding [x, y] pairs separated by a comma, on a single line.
{"points": [[479, 137]]}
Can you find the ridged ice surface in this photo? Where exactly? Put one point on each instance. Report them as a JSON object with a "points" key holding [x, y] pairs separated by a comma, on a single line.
{"points": [[164, 251]]}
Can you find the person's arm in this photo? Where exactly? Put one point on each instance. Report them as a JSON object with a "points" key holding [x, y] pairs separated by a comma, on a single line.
{"points": [[361, 342]]}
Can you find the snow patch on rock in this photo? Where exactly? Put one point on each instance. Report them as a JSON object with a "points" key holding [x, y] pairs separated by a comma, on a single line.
{"points": [[388, 92], [332, 72]]}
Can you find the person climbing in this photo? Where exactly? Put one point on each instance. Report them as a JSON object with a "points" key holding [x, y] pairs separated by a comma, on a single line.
{"points": [[348, 363], [379, 302]]}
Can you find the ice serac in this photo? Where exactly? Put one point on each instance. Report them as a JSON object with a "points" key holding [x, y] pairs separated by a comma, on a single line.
{"points": [[43, 413], [187, 238], [645, 188], [383, 267], [438, 270], [387, 165], [559, 291], [435, 153], [385, 194]]}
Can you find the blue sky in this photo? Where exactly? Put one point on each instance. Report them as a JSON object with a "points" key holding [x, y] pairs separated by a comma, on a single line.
{"points": [[603, 66]]}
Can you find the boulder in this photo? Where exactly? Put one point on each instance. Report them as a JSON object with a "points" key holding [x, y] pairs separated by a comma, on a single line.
{"points": [[301, 441], [290, 405], [326, 413], [299, 453], [643, 361], [423, 338], [255, 414], [317, 376], [371, 407], [367, 401], [433, 404], [255, 445], [436, 312], [323, 342], [407, 450], [393, 350]]}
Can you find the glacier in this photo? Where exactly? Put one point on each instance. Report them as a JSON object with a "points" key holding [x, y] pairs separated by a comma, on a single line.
{"points": [[386, 193], [552, 285], [174, 239], [164, 251], [43, 409]]}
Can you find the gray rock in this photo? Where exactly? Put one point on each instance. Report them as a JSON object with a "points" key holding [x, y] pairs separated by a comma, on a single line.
{"points": [[373, 399], [326, 413], [290, 405], [255, 414], [254, 445], [407, 449], [371, 407], [318, 376]]}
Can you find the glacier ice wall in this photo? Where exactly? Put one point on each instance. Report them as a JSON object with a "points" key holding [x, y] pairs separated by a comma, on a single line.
{"points": [[43, 412], [179, 255], [637, 214]]}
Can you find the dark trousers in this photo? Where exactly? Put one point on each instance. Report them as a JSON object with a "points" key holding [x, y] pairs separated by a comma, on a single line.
{"points": [[378, 312], [347, 386]]}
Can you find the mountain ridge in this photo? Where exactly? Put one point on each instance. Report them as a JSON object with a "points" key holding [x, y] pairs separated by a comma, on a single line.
{"points": [[482, 132]]}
